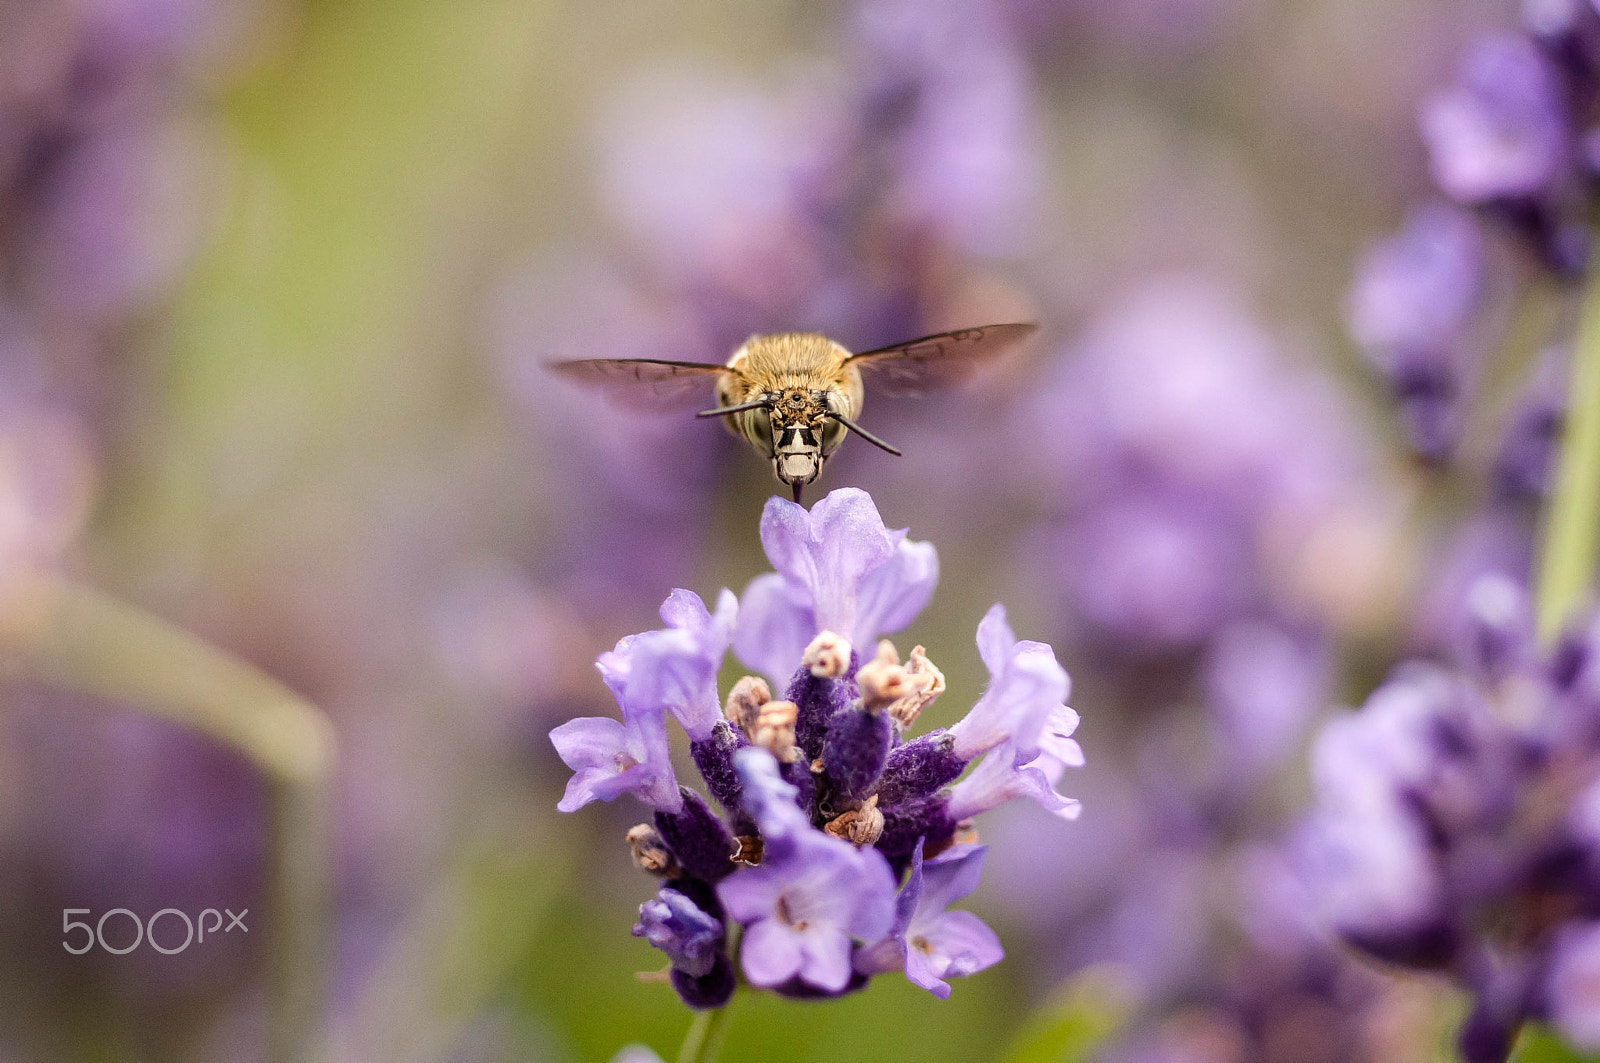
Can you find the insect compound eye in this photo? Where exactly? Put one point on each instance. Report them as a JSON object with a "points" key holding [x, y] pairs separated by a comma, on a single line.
{"points": [[758, 428], [833, 432], [832, 436]]}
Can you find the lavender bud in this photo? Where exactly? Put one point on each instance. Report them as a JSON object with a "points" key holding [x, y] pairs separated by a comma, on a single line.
{"points": [[799, 775], [675, 924], [816, 700], [919, 768], [855, 751], [713, 755], [711, 990], [908, 821], [701, 842], [828, 656], [901, 690], [774, 730]]}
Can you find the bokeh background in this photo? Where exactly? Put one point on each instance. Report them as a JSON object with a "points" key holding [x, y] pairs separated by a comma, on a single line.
{"points": [[276, 282]]}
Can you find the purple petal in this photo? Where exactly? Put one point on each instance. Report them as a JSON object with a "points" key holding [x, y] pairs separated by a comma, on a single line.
{"points": [[751, 894], [775, 626], [999, 777], [995, 639], [922, 971], [828, 551], [1027, 688], [1500, 131], [771, 952], [958, 944], [891, 595], [873, 895], [770, 800], [952, 875], [825, 958]]}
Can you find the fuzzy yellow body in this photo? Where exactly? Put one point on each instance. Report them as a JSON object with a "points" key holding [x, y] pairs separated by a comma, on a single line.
{"points": [[807, 377]]}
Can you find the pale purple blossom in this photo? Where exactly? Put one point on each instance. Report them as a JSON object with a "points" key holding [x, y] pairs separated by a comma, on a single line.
{"points": [[1006, 772], [610, 758], [1500, 132], [808, 851], [1027, 690], [806, 903], [839, 569], [1415, 294], [928, 942], [680, 673]]}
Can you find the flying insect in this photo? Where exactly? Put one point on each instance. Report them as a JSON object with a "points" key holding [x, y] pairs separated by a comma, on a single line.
{"points": [[794, 396]]}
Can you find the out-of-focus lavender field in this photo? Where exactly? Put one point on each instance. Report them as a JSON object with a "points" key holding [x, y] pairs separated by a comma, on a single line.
{"points": [[303, 554]]}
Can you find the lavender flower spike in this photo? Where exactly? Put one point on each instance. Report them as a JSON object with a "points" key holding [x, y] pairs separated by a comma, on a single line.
{"points": [[803, 907], [1027, 689], [930, 943], [838, 569]]}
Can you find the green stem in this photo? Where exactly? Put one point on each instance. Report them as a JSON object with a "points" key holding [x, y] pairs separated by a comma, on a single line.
{"points": [[1572, 526], [704, 1039], [80, 639]]}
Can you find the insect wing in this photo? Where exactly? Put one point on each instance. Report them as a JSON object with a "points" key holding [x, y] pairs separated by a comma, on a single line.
{"points": [[932, 362], [645, 384]]}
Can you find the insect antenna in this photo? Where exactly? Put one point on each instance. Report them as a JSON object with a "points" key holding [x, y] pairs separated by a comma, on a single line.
{"points": [[864, 434], [722, 411]]}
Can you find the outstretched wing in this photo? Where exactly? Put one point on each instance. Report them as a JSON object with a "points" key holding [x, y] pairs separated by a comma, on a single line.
{"points": [[646, 384], [932, 362]]}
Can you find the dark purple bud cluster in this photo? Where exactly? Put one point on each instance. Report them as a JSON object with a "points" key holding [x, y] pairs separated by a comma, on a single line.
{"points": [[1458, 824]]}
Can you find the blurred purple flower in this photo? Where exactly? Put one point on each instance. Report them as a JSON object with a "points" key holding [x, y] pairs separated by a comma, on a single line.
{"points": [[1526, 460], [1451, 829], [1500, 132], [1264, 685], [1411, 307], [1187, 451]]}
